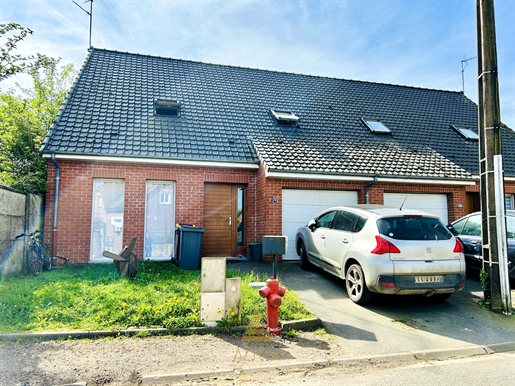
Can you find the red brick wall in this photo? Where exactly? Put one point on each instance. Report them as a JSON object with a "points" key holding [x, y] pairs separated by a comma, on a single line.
{"points": [[270, 213], [72, 236]]}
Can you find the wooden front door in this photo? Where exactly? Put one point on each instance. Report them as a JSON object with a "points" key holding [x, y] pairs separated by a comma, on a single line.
{"points": [[224, 220]]}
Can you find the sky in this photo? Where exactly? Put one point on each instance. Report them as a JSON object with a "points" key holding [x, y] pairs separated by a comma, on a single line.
{"points": [[419, 43]]}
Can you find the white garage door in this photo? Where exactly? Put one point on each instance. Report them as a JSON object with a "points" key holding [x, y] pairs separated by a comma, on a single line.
{"points": [[299, 206], [432, 203]]}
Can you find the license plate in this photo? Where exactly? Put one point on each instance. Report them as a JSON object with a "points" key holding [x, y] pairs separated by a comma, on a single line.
{"points": [[428, 279]]}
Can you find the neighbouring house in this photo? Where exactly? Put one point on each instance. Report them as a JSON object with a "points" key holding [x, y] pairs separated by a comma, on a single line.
{"points": [[143, 143]]}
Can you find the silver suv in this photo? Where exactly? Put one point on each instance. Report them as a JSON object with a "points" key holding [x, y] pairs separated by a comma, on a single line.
{"points": [[387, 250]]}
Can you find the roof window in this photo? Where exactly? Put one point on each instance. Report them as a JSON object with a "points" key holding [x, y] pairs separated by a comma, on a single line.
{"points": [[466, 133], [376, 126], [170, 107], [283, 117]]}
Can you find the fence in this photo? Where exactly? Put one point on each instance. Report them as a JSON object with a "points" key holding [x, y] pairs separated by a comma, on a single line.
{"points": [[19, 213]]}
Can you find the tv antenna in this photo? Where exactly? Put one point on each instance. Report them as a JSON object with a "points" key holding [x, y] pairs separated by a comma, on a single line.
{"points": [[90, 14], [463, 66]]}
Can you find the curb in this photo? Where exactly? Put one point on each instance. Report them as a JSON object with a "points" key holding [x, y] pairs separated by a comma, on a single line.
{"points": [[467, 351], [304, 324], [179, 377]]}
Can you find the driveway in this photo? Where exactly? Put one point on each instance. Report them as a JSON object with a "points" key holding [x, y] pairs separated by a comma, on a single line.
{"points": [[393, 324]]}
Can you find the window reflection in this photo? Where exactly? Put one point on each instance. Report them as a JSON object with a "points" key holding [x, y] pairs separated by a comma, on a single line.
{"points": [[241, 215], [107, 227]]}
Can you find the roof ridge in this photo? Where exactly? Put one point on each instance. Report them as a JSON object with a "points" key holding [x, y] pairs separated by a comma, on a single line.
{"points": [[275, 71]]}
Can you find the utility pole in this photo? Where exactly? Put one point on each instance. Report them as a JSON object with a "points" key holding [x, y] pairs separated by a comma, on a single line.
{"points": [[495, 256]]}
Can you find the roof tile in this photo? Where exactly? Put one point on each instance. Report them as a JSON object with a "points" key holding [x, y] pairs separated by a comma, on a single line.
{"points": [[225, 117]]}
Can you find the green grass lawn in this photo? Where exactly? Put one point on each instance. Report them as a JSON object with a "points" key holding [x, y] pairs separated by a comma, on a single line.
{"points": [[95, 297]]}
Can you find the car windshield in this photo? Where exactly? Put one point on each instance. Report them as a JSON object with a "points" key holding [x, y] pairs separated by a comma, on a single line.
{"points": [[413, 228]]}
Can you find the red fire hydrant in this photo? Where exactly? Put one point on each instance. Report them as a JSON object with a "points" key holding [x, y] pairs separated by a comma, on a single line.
{"points": [[272, 292]]}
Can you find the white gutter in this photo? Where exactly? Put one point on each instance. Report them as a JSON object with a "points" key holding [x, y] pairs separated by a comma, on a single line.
{"points": [[365, 179], [505, 178], [157, 161]]}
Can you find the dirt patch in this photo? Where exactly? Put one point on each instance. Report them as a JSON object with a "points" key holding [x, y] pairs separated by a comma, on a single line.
{"points": [[124, 361]]}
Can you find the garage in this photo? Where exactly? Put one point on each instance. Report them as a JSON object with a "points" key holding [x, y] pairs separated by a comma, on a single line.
{"points": [[432, 203], [299, 206]]}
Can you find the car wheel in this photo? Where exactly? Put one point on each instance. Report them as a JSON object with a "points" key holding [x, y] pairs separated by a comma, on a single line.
{"points": [[304, 262], [356, 287]]}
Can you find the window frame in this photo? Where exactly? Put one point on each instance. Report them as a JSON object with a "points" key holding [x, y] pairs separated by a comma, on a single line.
{"points": [[159, 243], [330, 224], [110, 236], [165, 107], [168, 200], [472, 223], [284, 117], [372, 125], [349, 225], [466, 132]]}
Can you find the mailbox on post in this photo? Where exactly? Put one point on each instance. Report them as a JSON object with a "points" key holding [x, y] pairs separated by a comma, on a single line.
{"points": [[274, 245]]}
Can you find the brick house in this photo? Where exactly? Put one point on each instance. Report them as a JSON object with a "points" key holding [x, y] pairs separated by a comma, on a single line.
{"points": [[142, 143]]}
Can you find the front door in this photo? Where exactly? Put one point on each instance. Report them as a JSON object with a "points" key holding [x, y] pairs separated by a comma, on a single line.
{"points": [[224, 220]]}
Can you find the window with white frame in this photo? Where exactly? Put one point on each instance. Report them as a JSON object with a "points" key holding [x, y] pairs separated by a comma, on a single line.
{"points": [[107, 218], [159, 220], [165, 197], [508, 198], [118, 224], [284, 118], [466, 132], [376, 126]]}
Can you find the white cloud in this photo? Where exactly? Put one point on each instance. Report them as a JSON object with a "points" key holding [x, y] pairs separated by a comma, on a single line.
{"points": [[411, 42]]}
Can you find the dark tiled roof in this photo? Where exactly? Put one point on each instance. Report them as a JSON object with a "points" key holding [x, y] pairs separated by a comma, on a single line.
{"points": [[225, 116]]}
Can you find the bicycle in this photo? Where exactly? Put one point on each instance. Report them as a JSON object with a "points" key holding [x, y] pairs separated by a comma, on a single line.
{"points": [[37, 254]]}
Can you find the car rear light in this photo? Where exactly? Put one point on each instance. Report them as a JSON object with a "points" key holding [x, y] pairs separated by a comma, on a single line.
{"points": [[412, 216], [384, 246], [458, 248], [387, 284]]}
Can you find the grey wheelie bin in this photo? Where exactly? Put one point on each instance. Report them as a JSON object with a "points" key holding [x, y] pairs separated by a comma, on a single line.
{"points": [[188, 241]]}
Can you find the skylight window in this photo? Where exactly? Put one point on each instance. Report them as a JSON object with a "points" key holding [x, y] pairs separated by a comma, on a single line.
{"points": [[376, 126], [170, 107], [466, 133], [284, 117]]}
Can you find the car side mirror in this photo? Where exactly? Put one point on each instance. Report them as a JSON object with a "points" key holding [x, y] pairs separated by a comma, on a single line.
{"points": [[312, 224]]}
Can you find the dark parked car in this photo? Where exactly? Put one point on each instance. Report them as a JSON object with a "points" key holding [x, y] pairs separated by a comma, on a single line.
{"points": [[468, 230]]}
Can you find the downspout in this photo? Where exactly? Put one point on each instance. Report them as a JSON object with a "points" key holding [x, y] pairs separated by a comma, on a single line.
{"points": [[367, 196], [56, 202]]}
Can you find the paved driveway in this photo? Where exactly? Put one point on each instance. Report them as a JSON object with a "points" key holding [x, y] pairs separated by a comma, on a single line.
{"points": [[393, 324]]}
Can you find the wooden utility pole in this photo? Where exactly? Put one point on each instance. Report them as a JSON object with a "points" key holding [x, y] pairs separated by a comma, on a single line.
{"points": [[495, 261]]}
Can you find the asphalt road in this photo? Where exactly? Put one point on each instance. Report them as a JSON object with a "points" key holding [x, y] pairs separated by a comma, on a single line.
{"points": [[394, 324], [472, 371]]}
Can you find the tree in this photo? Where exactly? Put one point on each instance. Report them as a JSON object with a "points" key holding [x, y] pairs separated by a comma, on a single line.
{"points": [[25, 116], [11, 63]]}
